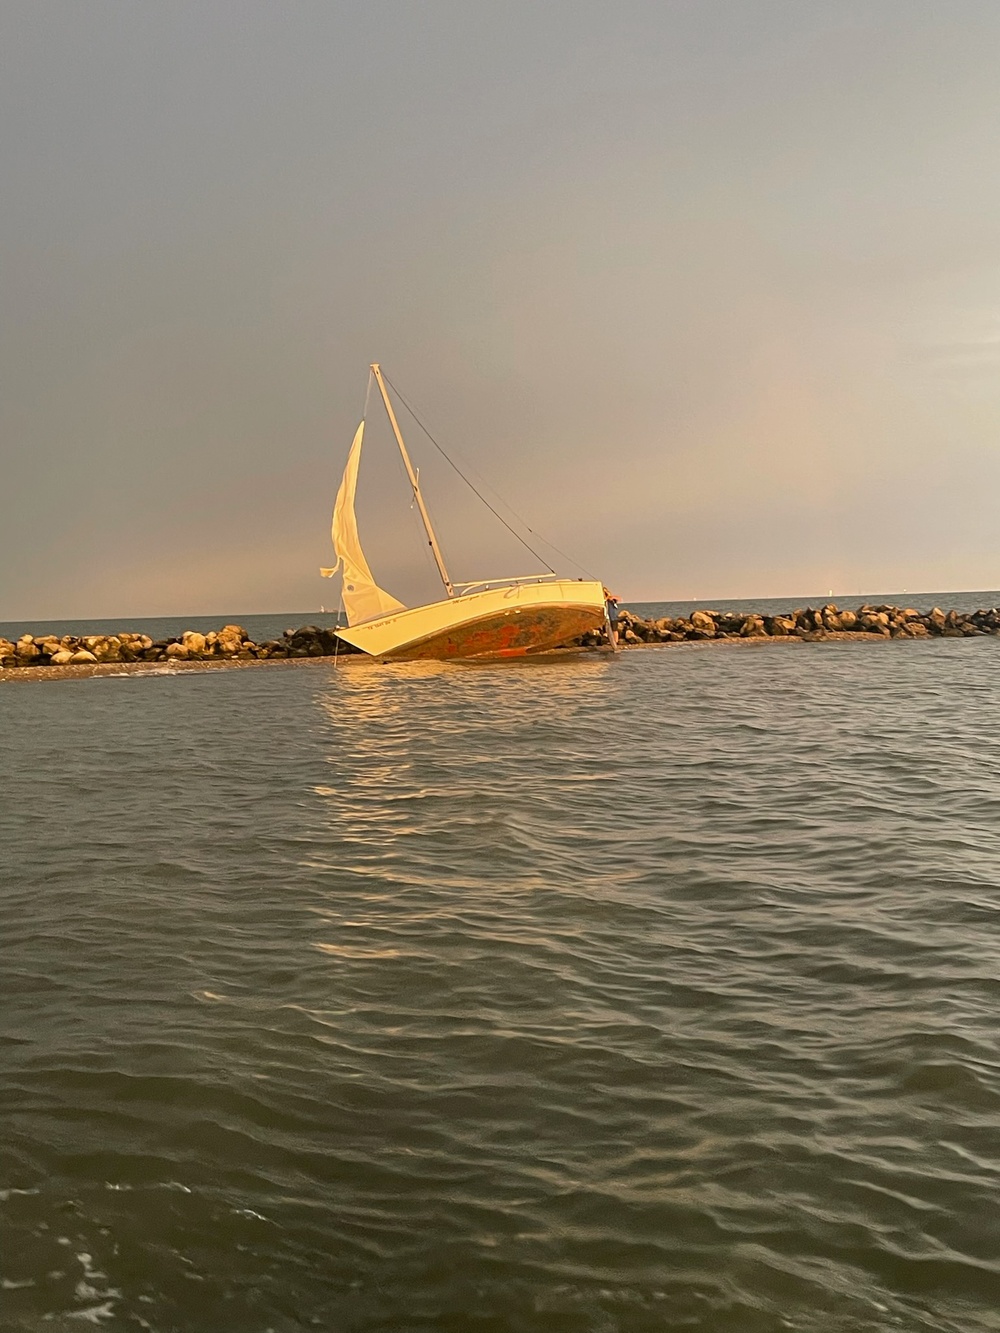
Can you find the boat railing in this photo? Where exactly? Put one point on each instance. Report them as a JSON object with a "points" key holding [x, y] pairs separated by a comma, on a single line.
{"points": [[484, 584]]}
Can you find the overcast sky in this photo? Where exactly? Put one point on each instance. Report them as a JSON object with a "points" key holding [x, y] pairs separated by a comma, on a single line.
{"points": [[709, 292]]}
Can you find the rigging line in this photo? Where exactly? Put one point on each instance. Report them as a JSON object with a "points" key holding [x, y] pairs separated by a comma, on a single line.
{"points": [[336, 649], [528, 528], [527, 546]]}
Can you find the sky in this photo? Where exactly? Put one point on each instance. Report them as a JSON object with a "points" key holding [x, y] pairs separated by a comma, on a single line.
{"points": [[708, 291]]}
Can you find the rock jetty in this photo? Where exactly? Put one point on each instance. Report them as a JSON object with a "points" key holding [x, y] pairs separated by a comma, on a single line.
{"points": [[825, 622], [233, 644]]}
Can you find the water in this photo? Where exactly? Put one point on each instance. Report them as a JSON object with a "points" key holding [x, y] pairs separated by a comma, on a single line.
{"points": [[648, 993]]}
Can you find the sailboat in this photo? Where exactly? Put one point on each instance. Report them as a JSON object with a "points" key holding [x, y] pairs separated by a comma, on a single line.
{"points": [[495, 618]]}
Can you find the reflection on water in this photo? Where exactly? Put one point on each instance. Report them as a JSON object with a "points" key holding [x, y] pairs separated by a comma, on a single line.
{"points": [[465, 751], [366, 689]]}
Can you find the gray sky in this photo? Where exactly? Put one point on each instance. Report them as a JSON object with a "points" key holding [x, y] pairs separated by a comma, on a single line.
{"points": [[708, 291]]}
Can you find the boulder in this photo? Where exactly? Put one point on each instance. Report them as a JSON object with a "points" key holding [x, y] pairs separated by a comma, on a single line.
{"points": [[729, 622], [62, 657], [229, 640], [195, 643], [177, 652], [753, 627], [108, 649], [780, 625], [702, 625], [82, 655]]}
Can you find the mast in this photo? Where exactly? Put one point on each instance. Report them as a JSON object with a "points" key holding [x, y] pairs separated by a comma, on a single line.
{"points": [[432, 540]]}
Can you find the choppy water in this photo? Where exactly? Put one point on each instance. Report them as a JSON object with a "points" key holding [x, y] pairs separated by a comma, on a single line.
{"points": [[651, 993]]}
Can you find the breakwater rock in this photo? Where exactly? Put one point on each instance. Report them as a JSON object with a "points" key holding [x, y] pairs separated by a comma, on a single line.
{"points": [[232, 642], [825, 622]]}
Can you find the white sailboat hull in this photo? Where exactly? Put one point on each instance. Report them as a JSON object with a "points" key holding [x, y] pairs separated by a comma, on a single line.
{"points": [[512, 621]]}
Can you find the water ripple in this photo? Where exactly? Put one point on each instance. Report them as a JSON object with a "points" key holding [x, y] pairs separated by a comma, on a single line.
{"points": [[587, 996]]}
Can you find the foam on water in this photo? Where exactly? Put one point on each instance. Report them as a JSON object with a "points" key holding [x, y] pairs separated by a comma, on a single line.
{"points": [[639, 993]]}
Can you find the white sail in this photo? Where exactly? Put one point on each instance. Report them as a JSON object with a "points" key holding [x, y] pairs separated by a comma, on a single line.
{"points": [[363, 598]]}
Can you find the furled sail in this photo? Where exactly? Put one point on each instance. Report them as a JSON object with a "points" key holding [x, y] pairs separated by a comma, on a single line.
{"points": [[363, 598]]}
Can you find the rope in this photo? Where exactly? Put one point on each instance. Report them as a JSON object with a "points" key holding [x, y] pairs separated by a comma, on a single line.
{"points": [[451, 463], [336, 646]]}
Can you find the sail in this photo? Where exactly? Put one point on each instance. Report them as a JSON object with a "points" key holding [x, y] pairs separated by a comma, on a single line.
{"points": [[363, 598]]}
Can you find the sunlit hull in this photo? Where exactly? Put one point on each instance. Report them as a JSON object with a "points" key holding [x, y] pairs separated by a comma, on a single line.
{"points": [[499, 622]]}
